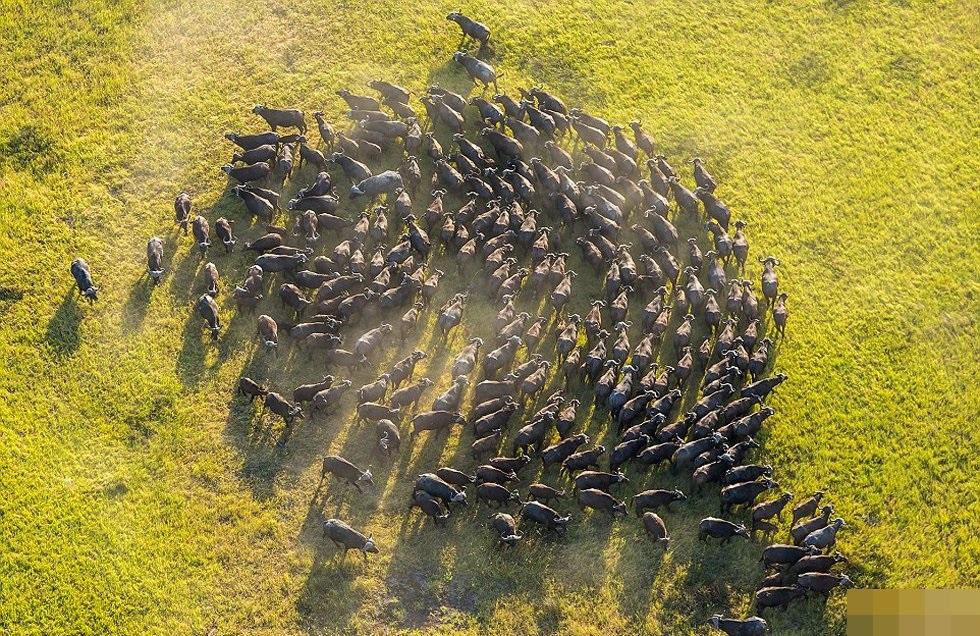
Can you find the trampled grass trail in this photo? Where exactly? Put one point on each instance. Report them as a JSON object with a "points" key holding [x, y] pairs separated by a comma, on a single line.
{"points": [[142, 497]]}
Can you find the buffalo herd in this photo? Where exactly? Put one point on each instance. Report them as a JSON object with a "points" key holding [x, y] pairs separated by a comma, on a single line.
{"points": [[497, 192]]}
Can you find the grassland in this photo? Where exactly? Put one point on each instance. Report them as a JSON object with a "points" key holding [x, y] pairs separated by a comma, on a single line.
{"points": [[139, 497]]}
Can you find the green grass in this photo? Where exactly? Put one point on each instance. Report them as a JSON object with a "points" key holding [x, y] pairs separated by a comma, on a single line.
{"points": [[140, 497]]}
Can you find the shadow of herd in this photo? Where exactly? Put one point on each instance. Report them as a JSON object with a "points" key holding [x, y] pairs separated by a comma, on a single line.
{"points": [[510, 198]]}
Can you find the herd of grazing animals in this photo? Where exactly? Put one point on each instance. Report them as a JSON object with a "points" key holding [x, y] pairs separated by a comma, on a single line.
{"points": [[531, 178]]}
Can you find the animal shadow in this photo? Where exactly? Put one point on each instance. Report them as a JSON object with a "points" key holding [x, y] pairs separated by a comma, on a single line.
{"points": [[137, 304], [62, 333]]}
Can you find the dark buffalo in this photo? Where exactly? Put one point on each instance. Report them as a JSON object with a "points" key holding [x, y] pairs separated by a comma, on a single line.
{"points": [[601, 500], [544, 493], [491, 491], [282, 407], [470, 28], [506, 528], [720, 529], [656, 528], [752, 626], [251, 388], [436, 487], [343, 468], [346, 537], [543, 515], [777, 596], [782, 554], [653, 499], [83, 280]]}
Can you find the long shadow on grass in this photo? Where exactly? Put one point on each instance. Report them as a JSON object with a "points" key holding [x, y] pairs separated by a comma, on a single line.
{"points": [[62, 333], [272, 451], [136, 305], [328, 596]]}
